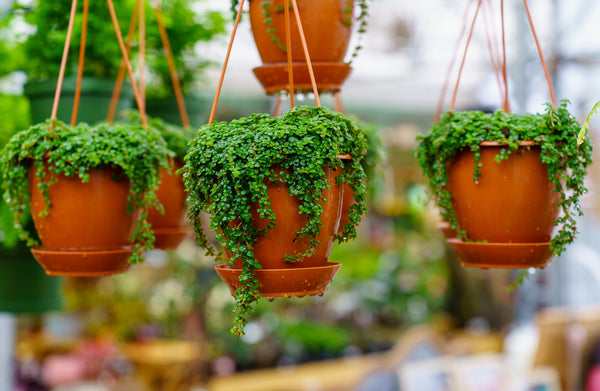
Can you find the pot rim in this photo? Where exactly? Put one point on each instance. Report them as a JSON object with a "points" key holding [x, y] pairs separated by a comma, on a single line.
{"points": [[522, 143]]}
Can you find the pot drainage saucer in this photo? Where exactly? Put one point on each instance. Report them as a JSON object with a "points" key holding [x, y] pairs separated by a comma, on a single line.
{"points": [[83, 263], [169, 238], [306, 281], [501, 255], [329, 76]]}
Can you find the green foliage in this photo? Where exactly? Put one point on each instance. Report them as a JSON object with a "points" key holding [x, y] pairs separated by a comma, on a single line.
{"points": [[73, 151], [230, 164], [555, 131], [314, 336], [14, 111], [176, 137], [185, 29], [43, 49]]}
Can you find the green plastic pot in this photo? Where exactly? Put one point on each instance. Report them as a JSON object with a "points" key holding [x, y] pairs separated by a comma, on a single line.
{"points": [[198, 109], [24, 286], [95, 99]]}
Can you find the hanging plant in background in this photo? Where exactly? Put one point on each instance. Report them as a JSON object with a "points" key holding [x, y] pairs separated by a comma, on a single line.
{"points": [[555, 132], [73, 151], [230, 165]]}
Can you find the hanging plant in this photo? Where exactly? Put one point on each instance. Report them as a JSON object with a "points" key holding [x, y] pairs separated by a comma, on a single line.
{"points": [[168, 223], [555, 132], [231, 165], [74, 151]]}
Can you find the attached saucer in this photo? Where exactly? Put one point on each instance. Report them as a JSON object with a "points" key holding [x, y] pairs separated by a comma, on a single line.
{"points": [[83, 263], [169, 238], [501, 255], [329, 76], [307, 281]]}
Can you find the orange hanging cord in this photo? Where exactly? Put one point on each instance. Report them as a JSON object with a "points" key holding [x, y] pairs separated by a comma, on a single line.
{"points": [[124, 53], [142, 53], [77, 97], [506, 104], [539, 48], [462, 63], [288, 42], [440, 105], [220, 85], [492, 42], [63, 63], [123, 68], [185, 121], [305, 48]]}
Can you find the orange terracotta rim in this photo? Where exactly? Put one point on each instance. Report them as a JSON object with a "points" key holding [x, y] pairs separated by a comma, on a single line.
{"points": [[501, 255], [169, 238], [344, 157], [329, 76], [298, 282], [83, 263], [523, 143]]}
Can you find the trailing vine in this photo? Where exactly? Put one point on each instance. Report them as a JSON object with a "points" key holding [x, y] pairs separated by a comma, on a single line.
{"points": [[362, 21], [229, 165], [555, 131], [268, 21], [73, 151]]}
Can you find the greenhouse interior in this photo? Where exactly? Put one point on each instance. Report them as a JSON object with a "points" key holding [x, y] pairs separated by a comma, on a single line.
{"points": [[304, 195]]}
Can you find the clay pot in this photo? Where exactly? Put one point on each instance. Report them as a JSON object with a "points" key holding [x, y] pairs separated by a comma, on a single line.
{"points": [[313, 274], [169, 228], [347, 202], [86, 223], [512, 202], [269, 250], [327, 36]]}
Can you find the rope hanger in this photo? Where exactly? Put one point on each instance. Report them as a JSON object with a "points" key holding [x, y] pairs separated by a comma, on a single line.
{"points": [[499, 69], [313, 82], [138, 18]]}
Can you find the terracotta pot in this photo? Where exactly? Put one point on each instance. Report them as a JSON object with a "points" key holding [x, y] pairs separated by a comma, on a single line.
{"points": [[169, 228], [312, 275], [347, 202], [85, 220], [282, 240], [327, 36], [512, 202]]}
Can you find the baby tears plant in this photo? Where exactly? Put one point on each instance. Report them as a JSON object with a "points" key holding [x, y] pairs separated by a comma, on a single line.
{"points": [[74, 151], [555, 131], [230, 164]]}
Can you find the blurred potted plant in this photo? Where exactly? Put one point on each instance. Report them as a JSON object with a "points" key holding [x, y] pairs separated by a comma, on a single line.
{"points": [[273, 188], [88, 189], [43, 52], [24, 287], [333, 19], [168, 224], [500, 180], [186, 30]]}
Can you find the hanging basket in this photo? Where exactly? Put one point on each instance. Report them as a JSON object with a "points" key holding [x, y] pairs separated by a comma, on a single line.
{"points": [[500, 178], [310, 276], [327, 27], [87, 229]]}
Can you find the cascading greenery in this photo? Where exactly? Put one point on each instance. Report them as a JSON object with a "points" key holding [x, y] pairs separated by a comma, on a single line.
{"points": [[74, 151], [229, 165], [555, 131]]}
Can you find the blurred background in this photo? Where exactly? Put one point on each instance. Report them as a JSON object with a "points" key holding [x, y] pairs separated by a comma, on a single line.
{"points": [[401, 313]]}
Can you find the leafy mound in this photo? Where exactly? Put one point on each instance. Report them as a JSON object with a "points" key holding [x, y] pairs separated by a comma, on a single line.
{"points": [[73, 151], [230, 164]]}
